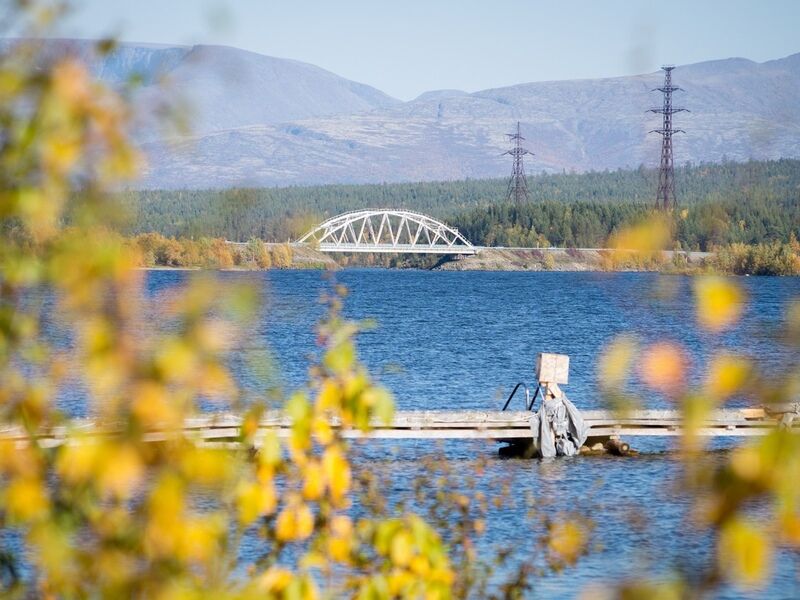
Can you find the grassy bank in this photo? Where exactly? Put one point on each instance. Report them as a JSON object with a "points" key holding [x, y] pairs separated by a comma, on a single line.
{"points": [[777, 258]]}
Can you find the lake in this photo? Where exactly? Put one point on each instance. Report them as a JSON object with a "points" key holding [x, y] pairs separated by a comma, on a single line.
{"points": [[461, 340]]}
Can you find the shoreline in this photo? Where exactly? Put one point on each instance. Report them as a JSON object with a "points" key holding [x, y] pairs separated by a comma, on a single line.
{"points": [[529, 260], [667, 271], [498, 259]]}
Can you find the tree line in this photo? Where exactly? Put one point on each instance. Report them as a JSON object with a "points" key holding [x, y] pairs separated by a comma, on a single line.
{"points": [[749, 203], [704, 226]]}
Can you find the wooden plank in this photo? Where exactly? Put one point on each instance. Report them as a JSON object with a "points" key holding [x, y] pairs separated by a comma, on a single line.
{"points": [[667, 432], [509, 418], [443, 424]]}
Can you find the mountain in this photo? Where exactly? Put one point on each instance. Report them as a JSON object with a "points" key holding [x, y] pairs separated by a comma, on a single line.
{"points": [[219, 88], [258, 120]]}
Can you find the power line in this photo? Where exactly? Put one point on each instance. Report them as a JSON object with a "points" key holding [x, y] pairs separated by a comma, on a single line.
{"points": [[665, 197], [517, 183]]}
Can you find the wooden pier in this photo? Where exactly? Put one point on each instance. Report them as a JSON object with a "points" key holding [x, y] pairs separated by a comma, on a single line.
{"points": [[465, 424]]}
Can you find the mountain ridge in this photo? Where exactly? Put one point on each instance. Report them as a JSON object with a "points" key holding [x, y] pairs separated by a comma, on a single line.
{"points": [[261, 120]]}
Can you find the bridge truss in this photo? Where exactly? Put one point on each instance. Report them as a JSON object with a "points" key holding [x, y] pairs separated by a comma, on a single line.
{"points": [[387, 231]]}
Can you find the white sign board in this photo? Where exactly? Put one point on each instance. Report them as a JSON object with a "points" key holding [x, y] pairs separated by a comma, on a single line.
{"points": [[552, 368]]}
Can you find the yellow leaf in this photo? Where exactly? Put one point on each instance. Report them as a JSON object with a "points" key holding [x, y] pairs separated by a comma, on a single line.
{"points": [[337, 473], [322, 430], [214, 336], [330, 396], [340, 358], [399, 580], [339, 544], [382, 404], [790, 528], [719, 302], [402, 549], [13, 459], [25, 500], [77, 461], [270, 451], [314, 480], [567, 541], [305, 521], [299, 410], [250, 421], [745, 553], [285, 526], [11, 83], [153, 407], [295, 522], [747, 463], [120, 471], [166, 507], [727, 374], [420, 566], [200, 539], [255, 500], [275, 579], [60, 153], [206, 466], [646, 237]]}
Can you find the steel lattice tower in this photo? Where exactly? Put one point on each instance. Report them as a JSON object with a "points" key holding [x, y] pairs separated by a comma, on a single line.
{"points": [[517, 183], [665, 198]]}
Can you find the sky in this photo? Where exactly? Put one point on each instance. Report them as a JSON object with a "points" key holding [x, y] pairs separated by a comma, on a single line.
{"points": [[408, 47]]}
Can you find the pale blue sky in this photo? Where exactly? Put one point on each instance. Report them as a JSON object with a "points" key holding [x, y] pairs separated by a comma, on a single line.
{"points": [[407, 47]]}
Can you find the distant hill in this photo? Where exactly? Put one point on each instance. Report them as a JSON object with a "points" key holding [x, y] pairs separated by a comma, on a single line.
{"points": [[258, 120], [223, 88]]}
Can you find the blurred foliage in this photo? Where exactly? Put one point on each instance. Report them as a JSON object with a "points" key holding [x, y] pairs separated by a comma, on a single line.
{"points": [[764, 473], [148, 510], [141, 506], [121, 515]]}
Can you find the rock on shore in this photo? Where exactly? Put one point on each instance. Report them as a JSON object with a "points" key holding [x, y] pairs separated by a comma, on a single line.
{"points": [[508, 259], [554, 259]]}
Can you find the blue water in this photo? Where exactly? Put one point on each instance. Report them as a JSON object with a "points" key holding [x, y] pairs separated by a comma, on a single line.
{"points": [[463, 339], [450, 340]]}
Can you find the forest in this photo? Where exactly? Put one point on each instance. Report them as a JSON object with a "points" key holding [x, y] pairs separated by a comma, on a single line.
{"points": [[703, 226], [719, 204]]}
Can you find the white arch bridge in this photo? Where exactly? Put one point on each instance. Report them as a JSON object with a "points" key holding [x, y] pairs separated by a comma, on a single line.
{"points": [[389, 231]]}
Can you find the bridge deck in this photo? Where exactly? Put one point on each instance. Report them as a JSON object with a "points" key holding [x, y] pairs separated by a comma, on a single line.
{"points": [[438, 424], [398, 248]]}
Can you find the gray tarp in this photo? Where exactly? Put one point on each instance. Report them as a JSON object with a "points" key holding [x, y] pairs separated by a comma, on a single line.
{"points": [[559, 427]]}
